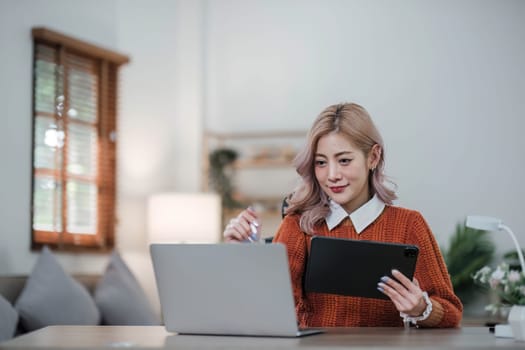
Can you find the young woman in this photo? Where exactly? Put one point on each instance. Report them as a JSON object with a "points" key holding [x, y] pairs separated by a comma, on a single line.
{"points": [[343, 194]]}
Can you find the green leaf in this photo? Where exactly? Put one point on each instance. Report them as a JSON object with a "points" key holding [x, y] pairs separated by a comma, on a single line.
{"points": [[468, 251]]}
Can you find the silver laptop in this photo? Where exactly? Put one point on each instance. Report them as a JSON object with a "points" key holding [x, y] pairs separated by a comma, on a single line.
{"points": [[226, 289]]}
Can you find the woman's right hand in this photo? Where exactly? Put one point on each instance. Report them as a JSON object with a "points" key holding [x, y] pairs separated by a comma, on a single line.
{"points": [[239, 230]]}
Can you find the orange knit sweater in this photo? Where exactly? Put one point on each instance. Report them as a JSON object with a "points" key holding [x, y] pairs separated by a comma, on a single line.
{"points": [[393, 225]]}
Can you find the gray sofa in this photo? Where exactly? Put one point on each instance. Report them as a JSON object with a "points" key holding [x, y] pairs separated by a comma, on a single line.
{"points": [[50, 296], [11, 286]]}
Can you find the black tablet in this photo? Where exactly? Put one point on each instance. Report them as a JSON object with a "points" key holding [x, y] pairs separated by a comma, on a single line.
{"points": [[352, 267]]}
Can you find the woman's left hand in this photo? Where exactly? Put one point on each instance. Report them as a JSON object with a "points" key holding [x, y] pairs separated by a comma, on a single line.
{"points": [[404, 293]]}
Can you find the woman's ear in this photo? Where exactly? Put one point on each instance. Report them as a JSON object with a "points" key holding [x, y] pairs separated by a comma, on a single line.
{"points": [[374, 156]]}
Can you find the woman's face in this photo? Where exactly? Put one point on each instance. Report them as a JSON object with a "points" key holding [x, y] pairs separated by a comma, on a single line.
{"points": [[342, 170]]}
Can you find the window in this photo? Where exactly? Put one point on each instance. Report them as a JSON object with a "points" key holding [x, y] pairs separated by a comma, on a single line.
{"points": [[74, 142]]}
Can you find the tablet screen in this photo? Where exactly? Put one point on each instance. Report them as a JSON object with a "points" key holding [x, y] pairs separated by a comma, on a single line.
{"points": [[353, 267]]}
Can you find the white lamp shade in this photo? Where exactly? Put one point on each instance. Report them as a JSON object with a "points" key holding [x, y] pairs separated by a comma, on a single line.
{"points": [[488, 223], [485, 223], [184, 218]]}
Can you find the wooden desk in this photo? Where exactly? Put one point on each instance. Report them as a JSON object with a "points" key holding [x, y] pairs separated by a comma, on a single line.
{"points": [[93, 337]]}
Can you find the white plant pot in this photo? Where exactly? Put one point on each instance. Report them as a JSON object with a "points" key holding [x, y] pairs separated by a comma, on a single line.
{"points": [[517, 322]]}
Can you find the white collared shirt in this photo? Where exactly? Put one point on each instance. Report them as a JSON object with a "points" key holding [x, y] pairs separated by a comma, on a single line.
{"points": [[361, 218]]}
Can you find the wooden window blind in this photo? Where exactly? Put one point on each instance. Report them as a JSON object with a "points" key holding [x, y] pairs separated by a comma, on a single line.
{"points": [[75, 87]]}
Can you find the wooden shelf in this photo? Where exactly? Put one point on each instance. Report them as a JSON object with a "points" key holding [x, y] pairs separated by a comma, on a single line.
{"points": [[269, 149], [256, 134], [263, 163]]}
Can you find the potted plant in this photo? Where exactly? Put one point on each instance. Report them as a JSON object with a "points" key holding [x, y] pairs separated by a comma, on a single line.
{"points": [[220, 173], [468, 251]]}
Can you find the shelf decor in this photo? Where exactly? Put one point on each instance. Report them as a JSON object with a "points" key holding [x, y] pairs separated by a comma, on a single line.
{"points": [[220, 180]]}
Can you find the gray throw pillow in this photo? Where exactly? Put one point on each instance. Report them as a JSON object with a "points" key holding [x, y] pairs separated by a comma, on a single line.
{"points": [[8, 320], [120, 298], [52, 297]]}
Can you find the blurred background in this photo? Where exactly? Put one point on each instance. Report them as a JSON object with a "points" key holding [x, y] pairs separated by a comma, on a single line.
{"points": [[443, 80]]}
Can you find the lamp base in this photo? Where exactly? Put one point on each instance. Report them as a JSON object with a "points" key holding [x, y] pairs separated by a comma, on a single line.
{"points": [[503, 331]]}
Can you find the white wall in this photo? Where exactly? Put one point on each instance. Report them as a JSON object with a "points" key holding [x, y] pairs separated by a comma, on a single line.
{"points": [[444, 81], [160, 114]]}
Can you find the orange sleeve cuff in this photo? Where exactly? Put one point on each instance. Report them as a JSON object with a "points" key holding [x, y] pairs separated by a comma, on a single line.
{"points": [[435, 316]]}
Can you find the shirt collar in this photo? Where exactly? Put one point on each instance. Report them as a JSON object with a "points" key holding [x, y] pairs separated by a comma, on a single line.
{"points": [[361, 217]]}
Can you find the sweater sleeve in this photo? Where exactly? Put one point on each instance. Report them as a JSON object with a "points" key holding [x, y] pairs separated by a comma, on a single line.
{"points": [[290, 234], [433, 277]]}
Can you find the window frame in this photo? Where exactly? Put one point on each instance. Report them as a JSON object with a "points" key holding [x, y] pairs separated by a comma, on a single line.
{"points": [[107, 64]]}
